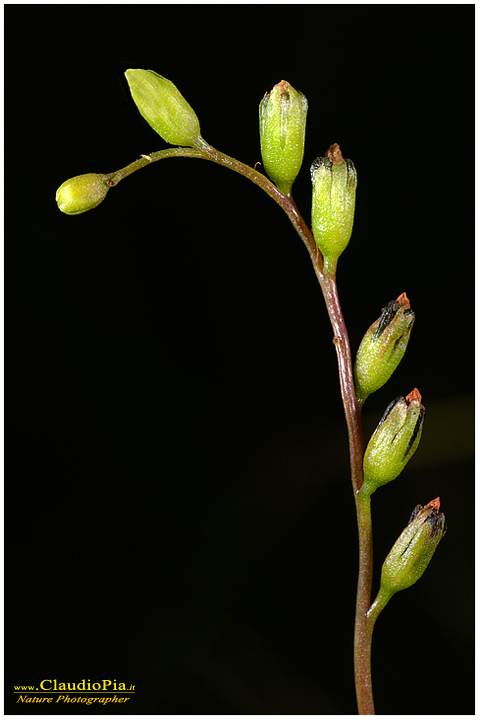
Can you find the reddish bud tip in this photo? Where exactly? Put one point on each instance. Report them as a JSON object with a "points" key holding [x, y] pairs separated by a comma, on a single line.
{"points": [[283, 86], [404, 301], [414, 395], [334, 154], [434, 504]]}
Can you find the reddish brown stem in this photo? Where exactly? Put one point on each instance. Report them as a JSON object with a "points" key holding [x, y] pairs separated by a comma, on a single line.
{"points": [[286, 203], [363, 630], [347, 386], [362, 634], [326, 275]]}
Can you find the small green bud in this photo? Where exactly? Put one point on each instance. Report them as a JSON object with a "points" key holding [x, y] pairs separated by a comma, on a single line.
{"points": [[394, 441], [82, 193], [164, 107], [383, 346], [408, 559], [283, 116], [334, 183]]}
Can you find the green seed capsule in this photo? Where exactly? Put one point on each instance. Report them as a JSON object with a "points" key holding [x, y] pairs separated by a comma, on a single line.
{"points": [[334, 182], [383, 346], [81, 193], [164, 107], [394, 442], [408, 559], [283, 116]]}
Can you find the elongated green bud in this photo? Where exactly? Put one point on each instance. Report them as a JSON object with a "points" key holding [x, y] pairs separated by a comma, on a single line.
{"points": [[82, 193], [408, 559], [383, 346], [394, 441], [164, 107], [334, 182], [283, 116]]}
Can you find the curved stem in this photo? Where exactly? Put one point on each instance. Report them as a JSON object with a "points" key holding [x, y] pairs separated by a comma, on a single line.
{"points": [[377, 606], [204, 151], [352, 407], [285, 202], [326, 275], [115, 177]]}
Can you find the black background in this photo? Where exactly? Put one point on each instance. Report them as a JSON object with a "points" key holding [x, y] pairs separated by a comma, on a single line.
{"points": [[179, 512]]}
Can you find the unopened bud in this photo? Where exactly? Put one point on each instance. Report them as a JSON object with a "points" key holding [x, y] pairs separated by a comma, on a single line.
{"points": [[383, 346], [164, 107], [283, 116], [81, 193], [334, 183], [407, 560], [394, 441]]}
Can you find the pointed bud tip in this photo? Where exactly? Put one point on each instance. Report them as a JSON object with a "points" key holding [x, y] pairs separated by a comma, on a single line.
{"points": [[334, 154], [283, 86], [434, 504], [414, 395], [404, 301]]}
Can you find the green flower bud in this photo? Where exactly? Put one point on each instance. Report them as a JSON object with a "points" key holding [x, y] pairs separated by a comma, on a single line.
{"points": [[408, 559], [82, 193], [164, 107], [383, 346], [283, 116], [334, 183], [394, 441]]}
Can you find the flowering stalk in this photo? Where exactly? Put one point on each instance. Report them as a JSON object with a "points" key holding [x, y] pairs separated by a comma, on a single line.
{"points": [[334, 179], [327, 281], [362, 641]]}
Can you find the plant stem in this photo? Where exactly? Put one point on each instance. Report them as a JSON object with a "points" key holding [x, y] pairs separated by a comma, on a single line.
{"points": [[326, 274], [363, 632], [347, 385], [286, 203], [363, 644], [362, 636], [115, 177], [204, 151]]}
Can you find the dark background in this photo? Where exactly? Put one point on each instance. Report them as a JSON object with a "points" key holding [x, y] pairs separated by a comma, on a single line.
{"points": [[179, 512]]}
